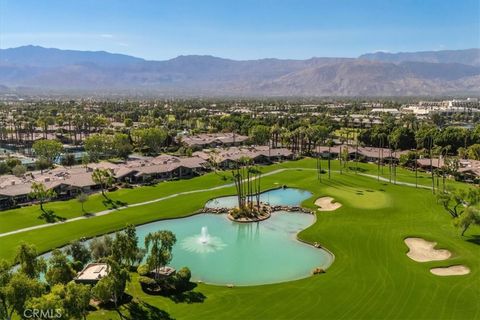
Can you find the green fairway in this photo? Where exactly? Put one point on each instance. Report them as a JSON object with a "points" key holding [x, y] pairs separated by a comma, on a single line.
{"points": [[359, 197], [25, 217], [371, 277]]}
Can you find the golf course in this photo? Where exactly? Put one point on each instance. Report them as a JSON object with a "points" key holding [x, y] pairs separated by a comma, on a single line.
{"points": [[371, 276]]}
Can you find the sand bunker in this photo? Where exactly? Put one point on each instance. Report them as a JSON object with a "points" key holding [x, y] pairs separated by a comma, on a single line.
{"points": [[423, 251], [327, 204], [450, 271]]}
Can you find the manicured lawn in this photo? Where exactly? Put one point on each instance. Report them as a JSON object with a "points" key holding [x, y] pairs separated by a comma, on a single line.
{"points": [[30, 216], [371, 277]]}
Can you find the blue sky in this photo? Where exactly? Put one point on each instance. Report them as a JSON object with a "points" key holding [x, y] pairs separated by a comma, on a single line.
{"points": [[241, 29]]}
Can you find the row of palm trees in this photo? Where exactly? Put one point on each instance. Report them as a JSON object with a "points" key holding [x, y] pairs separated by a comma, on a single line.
{"points": [[23, 129]]}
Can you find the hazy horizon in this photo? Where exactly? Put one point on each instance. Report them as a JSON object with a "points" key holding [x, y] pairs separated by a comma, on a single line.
{"points": [[241, 31], [228, 58]]}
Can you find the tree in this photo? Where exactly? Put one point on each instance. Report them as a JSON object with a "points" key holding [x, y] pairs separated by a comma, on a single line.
{"points": [[458, 202], [79, 253], [451, 136], [68, 160], [12, 162], [408, 159], [41, 194], [403, 138], [161, 243], [101, 247], [4, 168], [51, 304], [104, 178], [42, 164], [19, 170], [438, 119], [128, 122], [150, 140], [98, 146], [19, 290], [330, 144], [77, 300], [82, 198], [113, 285], [183, 278], [471, 216], [260, 134], [5, 276], [47, 149], [131, 250], [473, 152], [85, 161], [462, 153], [452, 202], [26, 257], [122, 146], [103, 289], [59, 270]]}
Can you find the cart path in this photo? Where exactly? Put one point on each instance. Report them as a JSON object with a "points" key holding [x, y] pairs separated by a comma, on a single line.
{"points": [[105, 212]]}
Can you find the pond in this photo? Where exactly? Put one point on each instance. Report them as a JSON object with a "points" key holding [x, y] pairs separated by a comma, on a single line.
{"points": [[220, 251], [281, 196]]}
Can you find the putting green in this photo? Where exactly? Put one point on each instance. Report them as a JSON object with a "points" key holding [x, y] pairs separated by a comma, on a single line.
{"points": [[359, 197]]}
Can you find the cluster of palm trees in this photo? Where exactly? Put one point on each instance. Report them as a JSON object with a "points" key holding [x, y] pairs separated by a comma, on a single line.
{"points": [[24, 128], [247, 179]]}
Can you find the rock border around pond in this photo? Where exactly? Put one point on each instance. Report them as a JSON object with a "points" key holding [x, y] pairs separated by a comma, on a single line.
{"points": [[266, 208], [249, 219]]}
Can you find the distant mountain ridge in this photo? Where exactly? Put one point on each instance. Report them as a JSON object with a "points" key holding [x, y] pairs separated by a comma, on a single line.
{"points": [[376, 74], [467, 56]]}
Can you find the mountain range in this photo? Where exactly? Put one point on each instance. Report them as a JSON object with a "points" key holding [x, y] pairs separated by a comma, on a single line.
{"points": [[429, 73]]}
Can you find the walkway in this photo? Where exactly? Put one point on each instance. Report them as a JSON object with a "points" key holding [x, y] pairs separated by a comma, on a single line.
{"points": [[105, 212]]}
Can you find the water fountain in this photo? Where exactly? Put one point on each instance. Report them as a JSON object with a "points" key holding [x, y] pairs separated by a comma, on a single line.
{"points": [[203, 243], [204, 235]]}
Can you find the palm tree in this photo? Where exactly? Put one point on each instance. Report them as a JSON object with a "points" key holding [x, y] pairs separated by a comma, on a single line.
{"points": [[330, 145], [104, 178], [275, 132]]}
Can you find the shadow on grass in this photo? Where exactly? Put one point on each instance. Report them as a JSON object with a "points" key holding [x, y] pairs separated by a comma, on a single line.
{"points": [[178, 295], [186, 295], [123, 304], [474, 239], [50, 217], [141, 310], [113, 204]]}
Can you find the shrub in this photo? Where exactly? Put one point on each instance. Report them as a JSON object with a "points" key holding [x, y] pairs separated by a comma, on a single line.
{"points": [[318, 271], [19, 170], [183, 278], [77, 265], [148, 284], [142, 270], [146, 281]]}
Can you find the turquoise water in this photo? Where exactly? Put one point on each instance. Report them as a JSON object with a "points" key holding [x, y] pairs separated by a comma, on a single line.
{"points": [[282, 196], [242, 253], [228, 252]]}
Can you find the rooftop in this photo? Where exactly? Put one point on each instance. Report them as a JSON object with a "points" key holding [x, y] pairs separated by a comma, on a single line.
{"points": [[93, 272]]}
